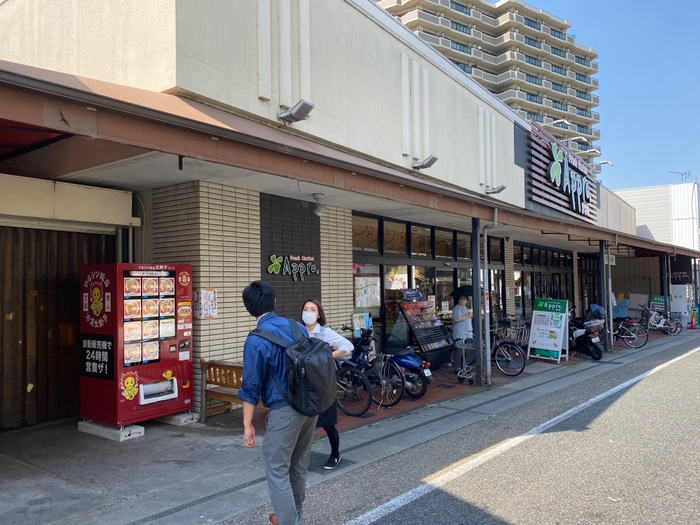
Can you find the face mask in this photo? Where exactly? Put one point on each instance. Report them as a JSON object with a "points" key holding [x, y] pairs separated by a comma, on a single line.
{"points": [[309, 318], [463, 302]]}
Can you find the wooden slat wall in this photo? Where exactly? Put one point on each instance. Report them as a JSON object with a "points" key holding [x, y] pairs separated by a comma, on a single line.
{"points": [[541, 189], [39, 332]]}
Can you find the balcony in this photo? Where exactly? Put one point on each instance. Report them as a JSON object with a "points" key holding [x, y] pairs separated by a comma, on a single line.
{"points": [[583, 95], [533, 42], [559, 70], [535, 116], [557, 34], [512, 95], [533, 98]]}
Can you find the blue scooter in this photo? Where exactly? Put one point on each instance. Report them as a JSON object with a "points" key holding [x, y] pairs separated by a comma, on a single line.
{"points": [[416, 372]]}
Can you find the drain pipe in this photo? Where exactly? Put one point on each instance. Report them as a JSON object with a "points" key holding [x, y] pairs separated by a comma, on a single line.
{"points": [[487, 288]]}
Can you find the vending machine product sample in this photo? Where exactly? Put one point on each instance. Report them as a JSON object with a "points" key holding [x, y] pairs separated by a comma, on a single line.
{"points": [[136, 340]]}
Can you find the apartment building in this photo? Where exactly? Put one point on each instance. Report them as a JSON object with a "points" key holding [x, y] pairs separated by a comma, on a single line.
{"points": [[522, 54]]}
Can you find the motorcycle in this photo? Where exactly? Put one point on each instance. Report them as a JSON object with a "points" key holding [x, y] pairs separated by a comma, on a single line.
{"points": [[585, 339], [417, 374]]}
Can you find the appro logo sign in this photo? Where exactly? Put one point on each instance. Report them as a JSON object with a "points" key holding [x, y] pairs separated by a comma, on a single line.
{"points": [[569, 182], [297, 266]]}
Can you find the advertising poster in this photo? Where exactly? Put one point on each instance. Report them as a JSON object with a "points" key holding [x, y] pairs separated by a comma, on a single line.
{"points": [[548, 336], [367, 292]]}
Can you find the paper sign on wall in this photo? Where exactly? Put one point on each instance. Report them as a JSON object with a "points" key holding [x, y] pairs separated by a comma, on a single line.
{"points": [[205, 303]]}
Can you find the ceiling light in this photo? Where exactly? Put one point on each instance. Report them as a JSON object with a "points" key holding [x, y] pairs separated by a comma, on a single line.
{"points": [[299, 112]]}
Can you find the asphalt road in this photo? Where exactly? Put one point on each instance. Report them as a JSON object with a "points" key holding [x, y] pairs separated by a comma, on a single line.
{"points": [[630, 457]]}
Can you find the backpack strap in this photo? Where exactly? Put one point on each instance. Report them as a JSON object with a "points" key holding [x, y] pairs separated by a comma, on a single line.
{"points": [[273, 338], [296, 331]]}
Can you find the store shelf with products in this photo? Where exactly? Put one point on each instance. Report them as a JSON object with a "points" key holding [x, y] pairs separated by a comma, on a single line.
{"points": [[428, 330]]}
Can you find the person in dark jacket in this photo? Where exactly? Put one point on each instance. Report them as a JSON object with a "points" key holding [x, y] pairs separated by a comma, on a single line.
{"points": [[289, 434]]}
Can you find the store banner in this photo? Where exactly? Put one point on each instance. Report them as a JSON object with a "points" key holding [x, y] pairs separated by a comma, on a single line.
{"points": [[681, 270], [548, 337]]}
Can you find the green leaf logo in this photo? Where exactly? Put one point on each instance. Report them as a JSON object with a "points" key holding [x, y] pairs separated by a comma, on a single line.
{"points": [[555, 166], [275, 266]]}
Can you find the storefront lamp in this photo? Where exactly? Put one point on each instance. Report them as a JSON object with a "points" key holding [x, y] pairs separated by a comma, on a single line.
{"points": [[495, 190], [299, 112], [320, 208], [426, 163]]}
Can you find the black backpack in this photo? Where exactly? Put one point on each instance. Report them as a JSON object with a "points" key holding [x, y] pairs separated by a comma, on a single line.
{"points": [[311, 386]]}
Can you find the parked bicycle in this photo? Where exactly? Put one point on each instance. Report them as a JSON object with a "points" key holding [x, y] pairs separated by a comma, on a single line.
{"points": [[508, 356], [632, 333], [385, 378], [353, 388], [653, 319]]}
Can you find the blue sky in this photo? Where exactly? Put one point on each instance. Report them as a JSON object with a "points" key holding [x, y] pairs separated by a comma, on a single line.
{"points": [[649, 92]]}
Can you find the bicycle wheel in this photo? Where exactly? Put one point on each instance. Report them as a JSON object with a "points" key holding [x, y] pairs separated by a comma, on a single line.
{"points": [[386, 382], [667, 326], [634, 335], [510, 358], [353, 391], [677, 327]]}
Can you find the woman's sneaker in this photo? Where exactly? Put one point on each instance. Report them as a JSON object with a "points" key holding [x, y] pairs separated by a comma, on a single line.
{"points": [[332, 462]]}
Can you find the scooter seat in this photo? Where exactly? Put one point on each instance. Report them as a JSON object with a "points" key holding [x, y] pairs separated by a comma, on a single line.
{"points": [[399, 351]]}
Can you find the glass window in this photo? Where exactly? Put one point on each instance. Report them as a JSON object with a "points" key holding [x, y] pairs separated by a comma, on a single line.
{"points": [[464, 276], [527, 293], [546, 258], [498, 283], [464, 246], [496, 250], [527, 256], [395, 237], [518, 291], [444, 244], [444, 284], [536, 257], [367, 297], [424, 280], [517, 254], [395, 280], [555, 259], [420, 241], [569, 260], [365, 234]]}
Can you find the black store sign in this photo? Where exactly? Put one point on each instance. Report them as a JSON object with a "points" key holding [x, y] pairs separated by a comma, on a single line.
{"points": [[98, 356], [290, 245], [681, 270], [559, 183]]}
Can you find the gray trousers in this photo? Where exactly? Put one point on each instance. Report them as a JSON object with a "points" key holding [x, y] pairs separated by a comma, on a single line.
{"points": [[286, 452]]}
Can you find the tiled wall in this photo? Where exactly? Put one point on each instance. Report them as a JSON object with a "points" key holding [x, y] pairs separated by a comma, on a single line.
{"points": [[216, 229], [336, 256]]}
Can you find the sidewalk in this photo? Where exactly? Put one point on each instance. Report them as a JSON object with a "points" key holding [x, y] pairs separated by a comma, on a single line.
{"points": [[53, 474]]}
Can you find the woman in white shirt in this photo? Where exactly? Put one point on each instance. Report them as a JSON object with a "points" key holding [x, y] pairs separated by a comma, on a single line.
{"points": [[315, 321]]}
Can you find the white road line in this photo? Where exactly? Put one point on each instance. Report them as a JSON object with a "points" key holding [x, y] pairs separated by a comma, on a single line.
{"points": [[407, 497]]}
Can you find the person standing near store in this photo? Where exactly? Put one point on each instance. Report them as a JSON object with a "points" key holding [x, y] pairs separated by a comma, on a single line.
{"points": [[315, 320], [287, 445], [461, 325]]}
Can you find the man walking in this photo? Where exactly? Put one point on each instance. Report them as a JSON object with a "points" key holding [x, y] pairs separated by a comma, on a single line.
{"points": [[289, 434]]}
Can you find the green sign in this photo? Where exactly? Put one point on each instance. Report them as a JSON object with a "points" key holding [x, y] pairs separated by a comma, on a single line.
{"points": [[296, 266], [570, 182], [548, 337]]}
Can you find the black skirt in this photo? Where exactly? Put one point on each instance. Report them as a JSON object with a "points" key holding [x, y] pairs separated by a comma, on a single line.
{"points": [[328, 417]]}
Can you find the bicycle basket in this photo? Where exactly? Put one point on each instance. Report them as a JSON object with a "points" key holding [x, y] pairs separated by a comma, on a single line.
{"points": [[646, 314]]}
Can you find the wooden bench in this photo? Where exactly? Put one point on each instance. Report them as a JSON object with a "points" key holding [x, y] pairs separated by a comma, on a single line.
{"points": [[221, 380]]}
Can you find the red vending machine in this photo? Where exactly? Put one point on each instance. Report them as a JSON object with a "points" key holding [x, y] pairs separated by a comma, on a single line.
{"points": [[136, 336]]}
